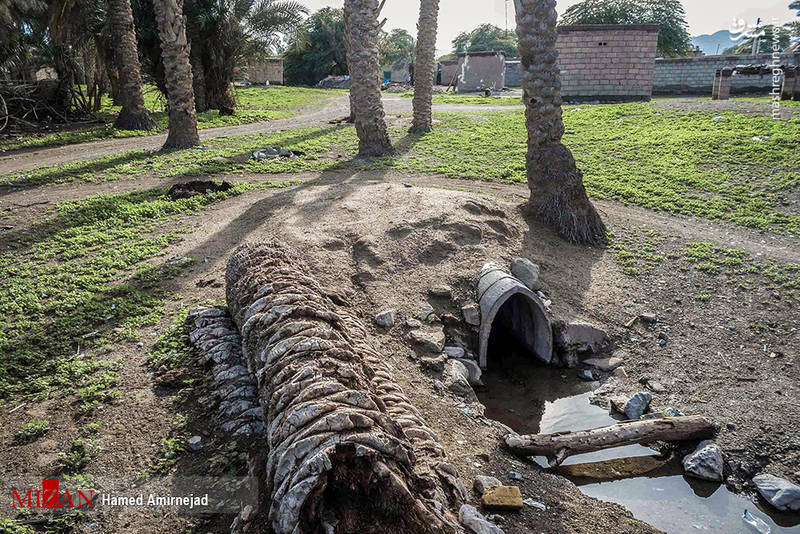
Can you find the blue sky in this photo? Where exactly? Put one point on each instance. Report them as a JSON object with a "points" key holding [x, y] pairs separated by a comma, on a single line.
{"points": [[703, 16]]}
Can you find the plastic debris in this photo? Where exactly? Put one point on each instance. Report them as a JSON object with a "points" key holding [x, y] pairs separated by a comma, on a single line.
{"points": [[756, 523]]}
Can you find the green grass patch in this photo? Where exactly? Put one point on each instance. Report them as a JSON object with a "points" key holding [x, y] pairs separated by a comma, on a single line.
{"points": [[472, 100], [637, 251], [172, 349], [714, 260], [254, 104], [78, 282]]}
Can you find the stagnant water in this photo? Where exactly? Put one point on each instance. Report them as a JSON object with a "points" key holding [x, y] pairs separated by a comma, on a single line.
{"points": [[530, 398]]}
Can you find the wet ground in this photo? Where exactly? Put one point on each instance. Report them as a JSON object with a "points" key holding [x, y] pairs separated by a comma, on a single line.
{"points": [[531, 398]]}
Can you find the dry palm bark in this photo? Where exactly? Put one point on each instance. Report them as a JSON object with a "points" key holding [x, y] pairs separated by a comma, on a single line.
{"points": [[558, 197], [198, 70], [562, 445], [363, 60], [177, 74], [134, 115], [425, 65], [347, 452]]}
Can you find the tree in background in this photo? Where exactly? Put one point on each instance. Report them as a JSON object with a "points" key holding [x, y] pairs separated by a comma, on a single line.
{"points": [[397, 48], [177, 74], [765, 41], [669, 15], [486, 38], [363, 58], [20, 30], [317, 48], [558, 197], [134, 115], [425, 65]]}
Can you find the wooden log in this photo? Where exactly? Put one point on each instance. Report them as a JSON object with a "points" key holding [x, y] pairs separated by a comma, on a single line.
{"points": [[346, 449], [558, 447]]}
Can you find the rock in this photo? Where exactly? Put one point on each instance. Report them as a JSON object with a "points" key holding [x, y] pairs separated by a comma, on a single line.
{"points": [[454, 352], [579, 337], [656, 387], [780, 493], [430, 341], [618, 403], [513, 475], [474, 372], [475, 523], [620, 372], [649, 318], [456, 379], [413, 323], [434, 363], [502, 498], [526, 272], [472, 314], [442, 292], [637, 405], [424, 312], [535, 504], [385, 318], [484, 482], [586, 375], [705, 462], [606, 365], [195, 442]]}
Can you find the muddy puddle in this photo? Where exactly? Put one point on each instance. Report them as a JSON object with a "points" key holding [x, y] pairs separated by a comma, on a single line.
{"points": [[533, 399]]}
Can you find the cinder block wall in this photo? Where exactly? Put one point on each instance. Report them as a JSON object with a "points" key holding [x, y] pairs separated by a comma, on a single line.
{"points": [[607, 62], [270, 70], [695, 75]]}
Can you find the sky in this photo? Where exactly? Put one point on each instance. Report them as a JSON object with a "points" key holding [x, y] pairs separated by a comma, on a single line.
{"points": [[455, 16]]}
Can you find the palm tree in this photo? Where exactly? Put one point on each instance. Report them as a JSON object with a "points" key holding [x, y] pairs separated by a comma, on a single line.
{"points": [[425, 65], [177, 74], [134, 115], [363, 58], [558, 197]]}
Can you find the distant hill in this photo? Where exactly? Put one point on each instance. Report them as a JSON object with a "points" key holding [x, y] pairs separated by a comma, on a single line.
{"points": [[709, 43]]}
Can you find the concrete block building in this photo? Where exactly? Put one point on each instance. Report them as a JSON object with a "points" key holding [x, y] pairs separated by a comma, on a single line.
{"points": [[264, 70], [479, 71], [607, 62]]}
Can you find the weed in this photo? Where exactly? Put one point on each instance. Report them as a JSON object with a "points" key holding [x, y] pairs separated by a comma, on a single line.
{"points": [[172, 348], [81, 452], [32, 431]]}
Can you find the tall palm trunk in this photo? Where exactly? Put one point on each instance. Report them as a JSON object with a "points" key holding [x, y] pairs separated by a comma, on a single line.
{"points": [[365, 82], [134, 115], [177, 74], [558, 197], [425, 65], [198, 69]]}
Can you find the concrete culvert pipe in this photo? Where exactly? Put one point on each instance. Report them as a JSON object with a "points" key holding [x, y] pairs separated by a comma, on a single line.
{"points": [[504, 299]]}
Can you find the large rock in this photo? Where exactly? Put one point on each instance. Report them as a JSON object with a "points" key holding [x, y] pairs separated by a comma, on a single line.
{"points": [[526, 272], [780, 493], [483, 483], [475, 523], [429, 340], [502, 498], [705, 462], [456, 379], [581, 338], [637, 405]]}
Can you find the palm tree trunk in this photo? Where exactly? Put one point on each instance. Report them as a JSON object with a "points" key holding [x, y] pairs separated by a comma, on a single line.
{"points": [[177, 74], [134, 115], [425, 66], [365, 83], [558, 197], [198, 72]]}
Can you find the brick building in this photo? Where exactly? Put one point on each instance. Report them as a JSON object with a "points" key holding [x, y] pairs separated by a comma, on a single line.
{"points": [[607, 62]]}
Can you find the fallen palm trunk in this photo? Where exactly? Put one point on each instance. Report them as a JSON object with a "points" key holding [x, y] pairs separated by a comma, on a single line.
{"points": [[558, 447], [347, 451]]}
